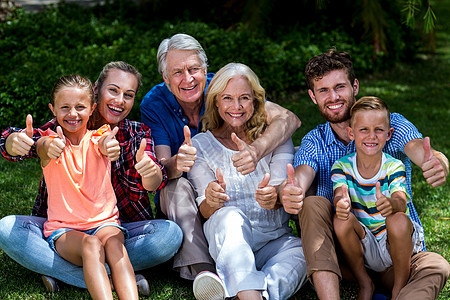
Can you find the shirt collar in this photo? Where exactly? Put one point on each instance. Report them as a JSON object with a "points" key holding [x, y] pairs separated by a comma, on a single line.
{"points": [[330, 138], [172, 101]]}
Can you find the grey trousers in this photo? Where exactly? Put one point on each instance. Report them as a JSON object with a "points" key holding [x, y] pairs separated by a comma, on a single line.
{"points": [[177, 201]]}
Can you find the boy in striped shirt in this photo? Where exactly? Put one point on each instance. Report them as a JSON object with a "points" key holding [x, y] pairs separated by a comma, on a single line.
{"points": [[372, 222]]}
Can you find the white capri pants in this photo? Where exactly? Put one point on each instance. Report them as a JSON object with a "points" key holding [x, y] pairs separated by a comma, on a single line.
{"points": [[247, 259]]}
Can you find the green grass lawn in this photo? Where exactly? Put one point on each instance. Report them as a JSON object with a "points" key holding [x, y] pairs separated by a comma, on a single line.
{"points": [[419, 90]]}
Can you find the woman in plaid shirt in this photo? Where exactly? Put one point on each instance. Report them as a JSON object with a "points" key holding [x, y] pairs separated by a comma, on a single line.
{"points": [[151, 242]]}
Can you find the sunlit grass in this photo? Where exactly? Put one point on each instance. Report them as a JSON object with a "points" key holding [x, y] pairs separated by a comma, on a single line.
{"points": [[419, 90]]}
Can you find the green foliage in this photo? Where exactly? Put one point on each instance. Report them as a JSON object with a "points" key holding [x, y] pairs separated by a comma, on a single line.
{"points": [[412, 8], [38, 48], [418, 90]]}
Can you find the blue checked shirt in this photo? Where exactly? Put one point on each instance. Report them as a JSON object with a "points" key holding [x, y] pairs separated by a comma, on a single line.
{"points": [[320, 149]]}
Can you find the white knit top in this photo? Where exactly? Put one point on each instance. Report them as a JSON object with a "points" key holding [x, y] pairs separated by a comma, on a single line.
{"points": [[211, 154]]}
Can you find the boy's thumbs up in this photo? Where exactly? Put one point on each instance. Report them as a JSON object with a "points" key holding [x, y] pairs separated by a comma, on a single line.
{"points": [[345, 191], [379, 194]]}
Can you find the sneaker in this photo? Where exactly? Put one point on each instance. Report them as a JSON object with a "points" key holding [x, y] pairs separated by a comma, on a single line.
{"points": [[142, 285], [208, 286], [50, 284]]}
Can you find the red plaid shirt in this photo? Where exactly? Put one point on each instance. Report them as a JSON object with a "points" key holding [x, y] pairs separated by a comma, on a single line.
{"points": [[132, 198]]}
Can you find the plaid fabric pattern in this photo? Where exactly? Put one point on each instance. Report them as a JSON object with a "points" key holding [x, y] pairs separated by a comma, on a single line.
{"points": [[319, 149], [132, 198]]}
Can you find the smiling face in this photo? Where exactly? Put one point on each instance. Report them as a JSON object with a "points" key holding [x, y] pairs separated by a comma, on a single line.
{"points": [[235, 103], [72, 109], [116, 96], [185, 75], [370, 131], [334, 95]]}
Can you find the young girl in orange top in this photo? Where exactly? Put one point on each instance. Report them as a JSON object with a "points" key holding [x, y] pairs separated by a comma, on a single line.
{"points": [[83, 220]]}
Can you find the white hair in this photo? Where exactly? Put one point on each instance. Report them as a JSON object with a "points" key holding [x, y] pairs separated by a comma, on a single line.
{"points": [[179, 41]]}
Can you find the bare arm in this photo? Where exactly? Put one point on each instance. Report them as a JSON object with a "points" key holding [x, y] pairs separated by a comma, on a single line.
{"points": [[282, 123], [434, 164], [207, 210]]}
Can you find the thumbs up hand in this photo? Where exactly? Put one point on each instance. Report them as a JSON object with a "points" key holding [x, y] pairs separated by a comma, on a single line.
{"points": [[21, 142], [246, 159], [215, 191], [111, 145], [266, 195], [29, 126], [433, 169], [56, 145], [292, 194], [187, 154], [342, 203], [145, 166], [384, 205]]}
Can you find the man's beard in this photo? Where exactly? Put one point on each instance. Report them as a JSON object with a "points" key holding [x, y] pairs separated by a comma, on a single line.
{"points": [[334, 119]]}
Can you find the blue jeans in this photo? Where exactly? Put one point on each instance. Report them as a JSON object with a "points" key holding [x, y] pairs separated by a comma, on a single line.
{"points": [[149, 243]]}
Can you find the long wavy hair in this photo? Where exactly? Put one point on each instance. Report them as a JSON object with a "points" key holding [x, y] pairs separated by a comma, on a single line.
{"points": [[211, 119]]}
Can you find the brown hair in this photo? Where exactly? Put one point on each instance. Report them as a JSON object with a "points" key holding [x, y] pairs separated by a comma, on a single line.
{"points": [[117, 65], [322, 64], [75, 81], [114, 65]]}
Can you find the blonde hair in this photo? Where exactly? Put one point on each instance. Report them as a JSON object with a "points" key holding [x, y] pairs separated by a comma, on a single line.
{"points": [[211, 119], [369, 103]]}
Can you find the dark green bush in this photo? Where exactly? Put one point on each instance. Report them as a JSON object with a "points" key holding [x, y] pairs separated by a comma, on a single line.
{"points": [[37, 48]]}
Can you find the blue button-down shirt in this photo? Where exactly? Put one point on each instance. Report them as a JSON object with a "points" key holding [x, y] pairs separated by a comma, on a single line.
{"points": [[161, 112], [320, 149]]}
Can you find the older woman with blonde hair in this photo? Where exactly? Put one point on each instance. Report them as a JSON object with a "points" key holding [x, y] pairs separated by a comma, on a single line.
{"points": [[247, 230]]}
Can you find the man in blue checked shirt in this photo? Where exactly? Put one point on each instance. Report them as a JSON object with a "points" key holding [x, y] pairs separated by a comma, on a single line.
{"points": [[333, 88]]}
